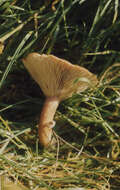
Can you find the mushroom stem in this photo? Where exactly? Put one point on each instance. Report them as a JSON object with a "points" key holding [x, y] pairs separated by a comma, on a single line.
{"points": [[46, 122]]}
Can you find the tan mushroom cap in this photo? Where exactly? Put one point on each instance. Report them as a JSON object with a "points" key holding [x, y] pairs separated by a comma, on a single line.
{"points": [[56, 76]]}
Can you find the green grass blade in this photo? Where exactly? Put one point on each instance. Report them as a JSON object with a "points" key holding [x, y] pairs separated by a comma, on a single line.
{"points": [[14, 58]]}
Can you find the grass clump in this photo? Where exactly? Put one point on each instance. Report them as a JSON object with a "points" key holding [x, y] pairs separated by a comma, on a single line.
{"points": [[88, 150]]}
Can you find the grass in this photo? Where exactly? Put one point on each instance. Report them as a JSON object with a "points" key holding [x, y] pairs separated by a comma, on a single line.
{"points": [[88, 125]]}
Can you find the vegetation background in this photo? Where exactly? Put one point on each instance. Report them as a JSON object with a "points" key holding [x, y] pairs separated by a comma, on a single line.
{"points": [[87, 155]]}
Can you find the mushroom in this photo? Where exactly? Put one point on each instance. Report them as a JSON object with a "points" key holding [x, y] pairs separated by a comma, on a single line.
{"points": [[58, 79]]}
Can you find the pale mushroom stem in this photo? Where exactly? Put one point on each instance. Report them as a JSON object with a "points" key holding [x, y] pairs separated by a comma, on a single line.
{"points": [[46, 120]]}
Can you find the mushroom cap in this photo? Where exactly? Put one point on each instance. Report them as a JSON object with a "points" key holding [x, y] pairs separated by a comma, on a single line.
{"points": [[58, 77]]}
